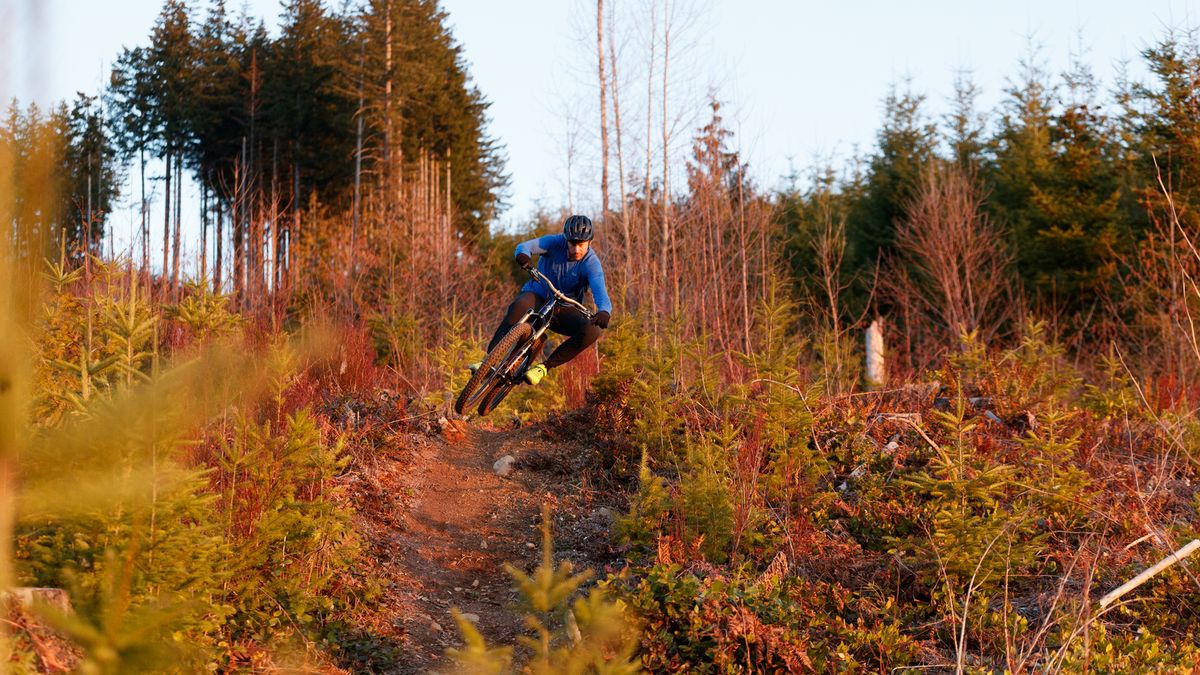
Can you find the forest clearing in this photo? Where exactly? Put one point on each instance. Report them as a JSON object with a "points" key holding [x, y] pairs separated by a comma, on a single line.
{"points": [[932, 409]]}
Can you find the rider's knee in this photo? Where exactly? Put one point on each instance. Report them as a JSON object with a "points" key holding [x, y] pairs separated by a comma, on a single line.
{"points": [[522, 303]]}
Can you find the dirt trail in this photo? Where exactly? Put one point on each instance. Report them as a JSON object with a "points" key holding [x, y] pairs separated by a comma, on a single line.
{"points": [[444, 523]]}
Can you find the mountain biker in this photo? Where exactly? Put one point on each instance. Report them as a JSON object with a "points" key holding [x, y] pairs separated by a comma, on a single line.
{"points": [[570, 263]]}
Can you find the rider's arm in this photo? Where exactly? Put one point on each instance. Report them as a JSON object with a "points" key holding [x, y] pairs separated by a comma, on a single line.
{"points": [[595, 278], [535, 246]]}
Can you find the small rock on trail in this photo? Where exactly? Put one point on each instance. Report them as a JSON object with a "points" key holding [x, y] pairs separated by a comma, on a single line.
{"points": [[504, 466]]}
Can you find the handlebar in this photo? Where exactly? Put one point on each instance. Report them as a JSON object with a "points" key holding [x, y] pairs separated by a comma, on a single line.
{"points": [[538, 276]]}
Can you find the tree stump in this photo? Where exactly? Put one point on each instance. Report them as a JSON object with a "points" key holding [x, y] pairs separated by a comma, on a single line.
{"points": [[25, 598], [876, 367]]}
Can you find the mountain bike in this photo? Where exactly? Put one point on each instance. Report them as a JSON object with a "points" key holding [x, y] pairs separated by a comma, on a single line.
{"points": [[504, 366]]}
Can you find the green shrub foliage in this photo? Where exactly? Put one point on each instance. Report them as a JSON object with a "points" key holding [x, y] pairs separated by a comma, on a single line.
{"points": [[974, 522], [588, 634], [179, 530]]}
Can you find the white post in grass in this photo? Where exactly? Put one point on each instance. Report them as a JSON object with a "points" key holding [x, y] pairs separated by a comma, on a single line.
{"points": [[876, 371]]}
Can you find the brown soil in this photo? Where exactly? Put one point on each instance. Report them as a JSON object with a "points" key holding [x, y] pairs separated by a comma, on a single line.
{"points": [[441, 525]]}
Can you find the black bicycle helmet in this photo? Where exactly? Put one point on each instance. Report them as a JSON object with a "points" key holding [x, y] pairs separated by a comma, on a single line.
{"points": [[578, 228]]}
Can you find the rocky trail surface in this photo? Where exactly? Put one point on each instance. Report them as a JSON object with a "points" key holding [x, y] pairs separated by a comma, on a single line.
{"points": [[441, 521]]}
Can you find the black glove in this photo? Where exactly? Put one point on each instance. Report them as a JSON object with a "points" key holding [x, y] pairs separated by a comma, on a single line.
{"points": [[600, 319], [524, 261]]}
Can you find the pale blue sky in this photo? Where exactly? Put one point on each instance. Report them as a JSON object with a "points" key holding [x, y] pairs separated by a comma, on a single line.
{"points": [[800, 79]]}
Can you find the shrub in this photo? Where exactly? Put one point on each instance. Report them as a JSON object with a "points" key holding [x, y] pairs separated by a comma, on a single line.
{"points": [[639, 393], [710, 621], [971, 533], [282, 514], [168, 560], [587, 635], [451, 357]]}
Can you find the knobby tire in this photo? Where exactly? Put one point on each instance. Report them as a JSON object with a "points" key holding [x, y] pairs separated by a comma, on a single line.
{"points": [[495, 396], [482, 381], [490, 400]]}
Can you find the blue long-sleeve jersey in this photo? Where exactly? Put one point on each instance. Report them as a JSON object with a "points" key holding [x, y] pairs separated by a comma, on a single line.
{"points": [[573, 278]]}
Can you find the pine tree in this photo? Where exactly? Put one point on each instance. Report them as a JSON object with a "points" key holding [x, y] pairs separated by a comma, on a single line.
{"points": [[217, 117], [1021, 159], [1057, 188], [965, 125], [134, 120], [250, 115], [307, 99], [1078, 235], [1170, 120], [35, 143], [814, 223], [172, 56], [89, 173], [905, 143], [1161, 122], [425, 102]]}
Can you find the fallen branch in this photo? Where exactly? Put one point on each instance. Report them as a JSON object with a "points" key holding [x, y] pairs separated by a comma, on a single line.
{"points": [[44, 653], [1146, 575], [908, 419]]}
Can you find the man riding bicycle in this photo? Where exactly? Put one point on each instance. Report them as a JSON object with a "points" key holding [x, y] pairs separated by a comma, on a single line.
{"points": [[567, 261]]}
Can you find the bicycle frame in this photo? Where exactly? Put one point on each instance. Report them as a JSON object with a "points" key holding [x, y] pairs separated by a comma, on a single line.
{"points": [[492, 385], [541, 317], [540, 320]]}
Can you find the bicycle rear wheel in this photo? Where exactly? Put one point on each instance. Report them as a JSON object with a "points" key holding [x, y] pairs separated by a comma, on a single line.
{"points": [[494, 365]]}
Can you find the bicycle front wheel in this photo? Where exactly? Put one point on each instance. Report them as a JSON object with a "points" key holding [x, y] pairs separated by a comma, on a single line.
{"points": [[495, 396], [496, 364]]}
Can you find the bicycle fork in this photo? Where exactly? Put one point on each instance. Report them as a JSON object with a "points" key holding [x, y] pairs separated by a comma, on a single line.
{"points": [[541, 323]]}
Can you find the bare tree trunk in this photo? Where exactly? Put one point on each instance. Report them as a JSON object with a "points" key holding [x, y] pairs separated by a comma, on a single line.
{"points": [[219, 267], [252, 195], [167, 221], [276, 226], [87, 228], [570, 164], [203, 230], [387, 97], [714, 203], [257, 243], [176, 235], [447, 236], [87, 225], [603, 110], [294, 231], [745, 267], [612, 56], [764, 225], [649, 149], [237, 228], [235, 242], [707, 261], [145, 223], [358, 150], [667, 251]]}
